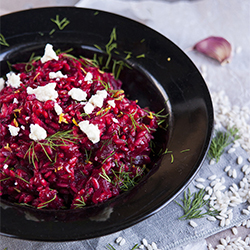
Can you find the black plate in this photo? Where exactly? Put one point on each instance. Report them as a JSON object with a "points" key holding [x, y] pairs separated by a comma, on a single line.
{"points": [[164, 78]]}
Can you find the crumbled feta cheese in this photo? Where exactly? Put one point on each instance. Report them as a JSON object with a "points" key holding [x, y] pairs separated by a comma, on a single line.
{"points": [[13, 130], [103, 93], [49, 54], [15, 100], [77, 94], [13, 80], [88, 108], [2, 82], [58, 109], [88, 78], [112, 103], [5, 166], [96, 100], [92, 131], [44, 93], [37, 132], [22, 127], [58, 74]]}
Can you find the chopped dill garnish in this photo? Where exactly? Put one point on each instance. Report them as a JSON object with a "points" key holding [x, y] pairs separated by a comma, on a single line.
{"points": [[61, 24], [221, 141], [105, 176], [193, 204], [80, 204], [185, 150], [52, 31], [58, 139], [141, 56], [110, 247], [135, 247], [3, 41], [44, 204]]}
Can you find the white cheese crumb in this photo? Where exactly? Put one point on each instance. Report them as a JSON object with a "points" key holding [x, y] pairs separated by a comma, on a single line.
{"points": [[15, 100], [88, 108], [22, 127], [13, 130], [103, 93], [96, 100], [49, 54], [37, 132], [92, 131], [2, 82], [44, 93], [112, 103], [89, 77], [13, 80], [5, 166], [58, 74], [77, 94], [58, 109]]}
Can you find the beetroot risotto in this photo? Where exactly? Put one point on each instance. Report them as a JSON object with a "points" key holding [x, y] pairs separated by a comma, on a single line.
{"points": [[69, 137]]}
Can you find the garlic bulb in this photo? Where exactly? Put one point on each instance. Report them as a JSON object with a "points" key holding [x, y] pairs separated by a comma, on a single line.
{"points": [[215, 47]]}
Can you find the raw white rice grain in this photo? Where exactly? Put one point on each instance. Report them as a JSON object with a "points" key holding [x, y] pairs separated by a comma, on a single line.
{"points": [[220, 247], [239, 160], [231, 150], [211, 218], [247, 171], [223, 241], [145, 242], [206, 197], [248, 224], [227, 168], [222, 222], [244, 168], [149, 247], [234, 174], [212, 177], [154, 246], [200, 186], [141, 247], [200, 180], [192, 223], [234, 230], [230, 172], [212, 162], [122, 242], [235, 186], [118, 240]]}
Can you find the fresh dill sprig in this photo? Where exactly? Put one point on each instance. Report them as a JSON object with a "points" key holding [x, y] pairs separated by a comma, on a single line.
{"points": [[60, 24], [193, 204], [221, 141], [105, 176], [3, 41], [110, 247], [60, 138], [44, 204], [80, 204]]}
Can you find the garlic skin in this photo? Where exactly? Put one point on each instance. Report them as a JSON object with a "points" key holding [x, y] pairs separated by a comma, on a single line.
{"points": [[215, 47]]}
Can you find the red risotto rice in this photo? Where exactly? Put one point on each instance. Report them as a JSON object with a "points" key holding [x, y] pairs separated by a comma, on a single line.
{"points": [[68, 135]]}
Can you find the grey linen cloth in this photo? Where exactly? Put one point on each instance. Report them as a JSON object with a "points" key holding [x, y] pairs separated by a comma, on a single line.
{"points": [[184, 23]]}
